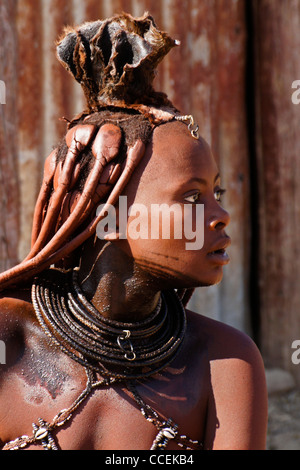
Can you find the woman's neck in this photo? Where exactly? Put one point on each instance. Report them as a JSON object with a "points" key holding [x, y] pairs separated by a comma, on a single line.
{"points": [[117, 287]]}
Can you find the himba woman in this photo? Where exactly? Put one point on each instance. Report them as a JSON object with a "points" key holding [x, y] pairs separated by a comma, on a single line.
{"points": [[102, 353]]}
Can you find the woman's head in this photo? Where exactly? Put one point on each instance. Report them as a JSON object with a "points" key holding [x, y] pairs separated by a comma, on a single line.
{"points": [[134, 148], [177, 223], [170, 204]]}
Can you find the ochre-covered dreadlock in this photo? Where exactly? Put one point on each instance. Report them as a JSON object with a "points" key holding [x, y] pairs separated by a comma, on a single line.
{"points": [[115, 62]]}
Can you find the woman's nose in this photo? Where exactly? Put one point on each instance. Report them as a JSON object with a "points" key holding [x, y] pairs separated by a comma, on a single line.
{"points": [[219, 220]]}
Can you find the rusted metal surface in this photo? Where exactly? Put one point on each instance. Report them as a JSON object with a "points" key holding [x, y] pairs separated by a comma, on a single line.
{"points": [[278, 149], [9, 194], [29, 113], [205, 76], [231, 150]]}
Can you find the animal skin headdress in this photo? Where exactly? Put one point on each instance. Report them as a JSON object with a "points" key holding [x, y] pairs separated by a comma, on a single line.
{"points": [[115, 62]]}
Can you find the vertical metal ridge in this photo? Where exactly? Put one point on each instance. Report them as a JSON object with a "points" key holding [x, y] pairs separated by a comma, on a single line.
{"points": [[9, 189], [30, 113]]}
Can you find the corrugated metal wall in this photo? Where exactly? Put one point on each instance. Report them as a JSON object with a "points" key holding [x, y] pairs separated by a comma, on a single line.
{"points": [[277, 66], [210, 76]]}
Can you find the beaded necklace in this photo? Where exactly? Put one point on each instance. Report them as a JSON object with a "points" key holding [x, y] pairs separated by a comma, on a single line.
{"points": [[119, 352]]}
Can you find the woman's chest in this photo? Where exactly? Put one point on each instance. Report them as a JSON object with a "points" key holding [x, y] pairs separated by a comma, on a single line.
{"points": [[45, 384], [79, 416]]}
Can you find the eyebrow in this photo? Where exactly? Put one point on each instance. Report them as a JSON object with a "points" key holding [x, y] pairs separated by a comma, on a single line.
{"points": [[196, 179]]}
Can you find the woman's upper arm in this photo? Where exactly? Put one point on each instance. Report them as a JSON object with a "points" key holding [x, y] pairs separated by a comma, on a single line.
{"points": [[238, 409]]}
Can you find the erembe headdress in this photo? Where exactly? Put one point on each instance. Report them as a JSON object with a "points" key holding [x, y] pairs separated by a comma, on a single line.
{"points": [[115, 62]]}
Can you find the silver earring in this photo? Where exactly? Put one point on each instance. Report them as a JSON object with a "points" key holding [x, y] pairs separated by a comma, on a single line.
{"points": [[192, 126]]}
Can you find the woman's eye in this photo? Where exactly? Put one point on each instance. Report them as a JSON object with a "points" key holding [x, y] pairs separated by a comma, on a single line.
{"points": [[193, 198], [219, 193]]}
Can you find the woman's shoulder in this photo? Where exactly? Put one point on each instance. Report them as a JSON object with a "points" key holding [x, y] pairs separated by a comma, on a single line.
{"points": [[221, 340], [15, 309], [238, 394]]}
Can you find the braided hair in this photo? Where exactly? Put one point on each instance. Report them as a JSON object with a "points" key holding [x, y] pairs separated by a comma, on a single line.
{"points": [[114, 61]]}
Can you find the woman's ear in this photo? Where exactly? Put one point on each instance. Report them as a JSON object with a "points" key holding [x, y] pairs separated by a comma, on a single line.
{"points": [[110, 228], [112, 237]]}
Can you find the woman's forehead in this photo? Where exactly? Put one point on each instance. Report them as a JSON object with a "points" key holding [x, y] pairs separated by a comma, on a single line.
{"points": [[173, 145], [173, 157], [175, 135]]}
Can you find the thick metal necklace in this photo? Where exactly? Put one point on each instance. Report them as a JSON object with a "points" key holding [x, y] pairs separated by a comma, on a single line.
{"points": [[118, 352]]}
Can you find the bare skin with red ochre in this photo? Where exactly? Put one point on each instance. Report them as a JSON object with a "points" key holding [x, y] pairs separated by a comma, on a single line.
{"points": [[214, 389]]}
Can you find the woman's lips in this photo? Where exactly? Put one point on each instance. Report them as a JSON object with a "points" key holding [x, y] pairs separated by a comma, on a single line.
{"points": [[219, 256], [218, 253]]}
